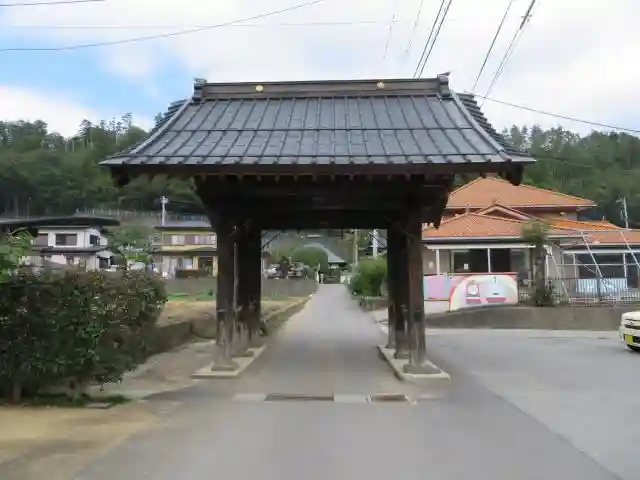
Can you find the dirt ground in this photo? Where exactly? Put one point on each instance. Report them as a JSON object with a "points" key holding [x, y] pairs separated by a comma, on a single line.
{"points": [[177, 310], [56, 443]]}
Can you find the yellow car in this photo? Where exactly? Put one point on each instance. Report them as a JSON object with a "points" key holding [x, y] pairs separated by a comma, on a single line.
{"points": [[630, 330]]}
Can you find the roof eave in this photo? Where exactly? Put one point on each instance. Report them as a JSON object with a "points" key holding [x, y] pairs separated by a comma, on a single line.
{"points": [[120, 167]]}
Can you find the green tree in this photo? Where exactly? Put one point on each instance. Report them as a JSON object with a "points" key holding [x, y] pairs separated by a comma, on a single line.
{"points": [[536, 233], [43, 173], [14, 247], [370, 275], [131, 244], [315, 258]]}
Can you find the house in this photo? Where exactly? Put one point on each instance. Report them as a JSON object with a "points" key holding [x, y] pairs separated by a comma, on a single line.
{"points": [[186, 246], [333, 260], [75, 240], [481, 232]]}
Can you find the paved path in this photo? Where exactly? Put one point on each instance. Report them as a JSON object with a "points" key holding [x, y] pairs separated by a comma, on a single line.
{"points": [[464, 431], [582, 385]]}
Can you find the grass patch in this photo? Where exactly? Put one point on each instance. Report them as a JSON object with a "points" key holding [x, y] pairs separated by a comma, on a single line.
{"points": [[62, 400], [188, 297], [276, 298]]}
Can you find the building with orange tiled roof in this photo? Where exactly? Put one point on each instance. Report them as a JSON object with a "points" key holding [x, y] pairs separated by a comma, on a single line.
{"points": [[483, 192], [481, 233]]}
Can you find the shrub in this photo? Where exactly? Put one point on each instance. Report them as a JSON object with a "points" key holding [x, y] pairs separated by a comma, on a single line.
{"points": [[313, 257], [369, 277], [75, 327]]}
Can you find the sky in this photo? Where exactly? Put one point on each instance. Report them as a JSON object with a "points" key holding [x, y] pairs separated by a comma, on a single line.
{"points": [[578, 58]]}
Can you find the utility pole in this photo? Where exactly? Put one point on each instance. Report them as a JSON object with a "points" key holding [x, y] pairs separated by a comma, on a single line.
{"points": [[163, 201], [625, 213], [374, 242]]}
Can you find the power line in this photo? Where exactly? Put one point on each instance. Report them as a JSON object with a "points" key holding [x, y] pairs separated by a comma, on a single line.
{"points": [[557, 115], [493, 42], [163, 35], [511, 48], [505, 59], [435, 38], [386, 45], [415, 26], [433, 29], [58, 2]]}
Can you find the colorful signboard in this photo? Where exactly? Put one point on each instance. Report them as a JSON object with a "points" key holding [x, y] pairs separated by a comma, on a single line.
{"points": [[485, 289]]}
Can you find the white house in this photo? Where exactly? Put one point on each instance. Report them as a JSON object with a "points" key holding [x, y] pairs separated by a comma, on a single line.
{"points": [[76, 240]]}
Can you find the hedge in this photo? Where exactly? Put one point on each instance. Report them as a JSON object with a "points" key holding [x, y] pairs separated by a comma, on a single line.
{"points": [[369, 277], [74, 327]]}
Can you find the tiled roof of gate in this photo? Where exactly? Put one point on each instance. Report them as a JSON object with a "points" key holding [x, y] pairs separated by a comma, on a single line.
{"points": [[339, 122], [473, 108]]}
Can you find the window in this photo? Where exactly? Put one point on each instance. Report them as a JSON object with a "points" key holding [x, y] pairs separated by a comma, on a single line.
{"points": [[94, 240], [205, 240], [42, 240], [177, 240], [185, 263], [66, 239], [461, 260]]}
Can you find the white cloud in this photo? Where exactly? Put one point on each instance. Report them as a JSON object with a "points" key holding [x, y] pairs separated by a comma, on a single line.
{"points": [[576, 57], [60, 112]]}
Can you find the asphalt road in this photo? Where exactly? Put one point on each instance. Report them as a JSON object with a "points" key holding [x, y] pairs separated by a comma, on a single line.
{"points": [[520, 406]]}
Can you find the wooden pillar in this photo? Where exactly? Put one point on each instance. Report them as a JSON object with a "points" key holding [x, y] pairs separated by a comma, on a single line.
{"points": [[243, 270], [253, 284], [416, 320], [398, 242], [392, 286], [225, 297]]}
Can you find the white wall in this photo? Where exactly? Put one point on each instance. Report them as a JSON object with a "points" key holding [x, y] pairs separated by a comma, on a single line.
{"points": [[82, 241], [83, 234]]}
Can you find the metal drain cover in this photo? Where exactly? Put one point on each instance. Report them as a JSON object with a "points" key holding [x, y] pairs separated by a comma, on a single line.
{"points": [[294, 397], [388, 398]]}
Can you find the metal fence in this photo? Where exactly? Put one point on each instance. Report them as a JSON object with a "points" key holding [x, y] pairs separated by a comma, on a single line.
{"points": [[131, 215], [589, 284]]}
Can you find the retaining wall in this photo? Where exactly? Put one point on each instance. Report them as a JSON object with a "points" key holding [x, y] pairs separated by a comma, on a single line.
{"points": [[167, 337], [270, 287], [522, 317]]}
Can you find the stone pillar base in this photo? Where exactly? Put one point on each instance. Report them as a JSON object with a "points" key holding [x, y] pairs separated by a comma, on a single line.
{"points": [[401, 353], [224, 367], [421, 369]]}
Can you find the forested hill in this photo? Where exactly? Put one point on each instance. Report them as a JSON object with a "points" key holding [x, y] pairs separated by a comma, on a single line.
{"points": [[42, 173], [603, 167]]}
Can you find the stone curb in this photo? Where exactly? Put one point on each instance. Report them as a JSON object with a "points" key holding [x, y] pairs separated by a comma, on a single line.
{"points": [[397, 367], [244, 362]]}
